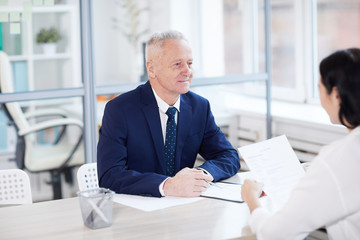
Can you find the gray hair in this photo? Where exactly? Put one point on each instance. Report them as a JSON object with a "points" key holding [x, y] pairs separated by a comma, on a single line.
{"points": [[157, 40]]}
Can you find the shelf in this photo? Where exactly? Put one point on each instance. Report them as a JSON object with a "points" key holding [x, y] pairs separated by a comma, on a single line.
{"points": [[11, 9], [41, 57], [35, 70], [53, 9], [40, 9], [57, 56], [16, 58]]}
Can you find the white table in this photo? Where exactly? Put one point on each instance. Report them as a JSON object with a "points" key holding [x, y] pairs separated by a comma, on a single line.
{"points": [[61, 219]]}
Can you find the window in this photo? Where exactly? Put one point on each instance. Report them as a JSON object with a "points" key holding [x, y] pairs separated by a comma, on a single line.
{"points": [[338, 27], [233, 36], [287, 42], [302, 33]]}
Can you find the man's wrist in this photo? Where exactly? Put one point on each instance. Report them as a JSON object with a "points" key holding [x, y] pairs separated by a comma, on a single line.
{"points": [[161, 187]]}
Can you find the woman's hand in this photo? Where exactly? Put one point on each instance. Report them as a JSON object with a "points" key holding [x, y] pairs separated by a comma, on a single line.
{"points": [[251, 191]]}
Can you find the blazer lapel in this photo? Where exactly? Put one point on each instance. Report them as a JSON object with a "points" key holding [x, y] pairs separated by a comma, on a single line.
{"points": [[183, 127], [151, 112]]}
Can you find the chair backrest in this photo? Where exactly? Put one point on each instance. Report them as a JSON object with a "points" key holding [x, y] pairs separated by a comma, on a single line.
{"points": [[87, 176], [14, 187]]}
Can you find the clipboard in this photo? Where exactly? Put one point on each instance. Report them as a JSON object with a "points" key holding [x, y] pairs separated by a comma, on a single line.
{"points": [[224, 191]]}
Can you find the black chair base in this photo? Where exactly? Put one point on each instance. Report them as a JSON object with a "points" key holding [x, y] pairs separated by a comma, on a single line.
{"points": [[55, 181]]}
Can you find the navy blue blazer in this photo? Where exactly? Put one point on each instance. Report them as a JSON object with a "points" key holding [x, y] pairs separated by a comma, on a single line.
{"points": [[130, 152]]}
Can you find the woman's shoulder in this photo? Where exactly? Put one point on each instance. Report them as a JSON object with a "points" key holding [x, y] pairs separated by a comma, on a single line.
{"points": [[342, 149]]}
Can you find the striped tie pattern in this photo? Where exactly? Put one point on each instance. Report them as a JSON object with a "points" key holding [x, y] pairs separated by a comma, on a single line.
{"points": [[170, 142]]}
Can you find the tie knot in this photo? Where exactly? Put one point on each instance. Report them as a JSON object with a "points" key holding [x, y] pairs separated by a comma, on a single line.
{"points": [[171, 112]]}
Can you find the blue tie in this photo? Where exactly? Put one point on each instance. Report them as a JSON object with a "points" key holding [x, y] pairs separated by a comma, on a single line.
{"points": [[170, 142]]}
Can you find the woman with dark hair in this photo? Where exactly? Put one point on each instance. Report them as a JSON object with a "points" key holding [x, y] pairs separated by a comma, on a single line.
{"points": [[328, 195]]}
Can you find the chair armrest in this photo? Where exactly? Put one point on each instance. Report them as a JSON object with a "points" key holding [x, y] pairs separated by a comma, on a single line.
{"points": [[46, 112], [49, 124]]}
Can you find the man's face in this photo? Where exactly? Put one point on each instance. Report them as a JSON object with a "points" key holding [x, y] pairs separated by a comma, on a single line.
{"points": [[173, 69]]}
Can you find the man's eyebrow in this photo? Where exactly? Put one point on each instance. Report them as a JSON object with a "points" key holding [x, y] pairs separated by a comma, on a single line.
{"points": [[177, 60], [181, 60]]}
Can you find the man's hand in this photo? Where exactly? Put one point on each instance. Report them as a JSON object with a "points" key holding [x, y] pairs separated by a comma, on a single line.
{"points": [[187, 183]]}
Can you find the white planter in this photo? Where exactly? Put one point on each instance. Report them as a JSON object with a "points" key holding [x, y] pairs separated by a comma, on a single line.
{"points": [[49, 48]]}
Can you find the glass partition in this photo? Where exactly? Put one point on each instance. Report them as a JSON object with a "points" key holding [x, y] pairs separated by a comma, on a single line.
{"points": [[41, 87]]}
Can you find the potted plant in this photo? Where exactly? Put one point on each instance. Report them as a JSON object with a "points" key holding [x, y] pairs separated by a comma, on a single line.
{"points": [[48, 39]]}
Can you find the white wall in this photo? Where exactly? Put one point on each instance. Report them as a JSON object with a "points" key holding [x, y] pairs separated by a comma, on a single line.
{"points": [[201, 22], [113, 52]]}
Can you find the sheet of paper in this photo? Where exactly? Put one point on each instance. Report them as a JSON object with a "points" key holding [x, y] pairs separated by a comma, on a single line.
{"points": [[224, 191], [274, 163], [152, 203]]}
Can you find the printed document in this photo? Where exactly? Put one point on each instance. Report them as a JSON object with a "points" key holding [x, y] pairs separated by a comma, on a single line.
{"points": [[274, 163]]}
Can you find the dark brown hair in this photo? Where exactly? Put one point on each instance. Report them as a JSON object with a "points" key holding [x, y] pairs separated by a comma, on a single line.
{"points": [[342, 70]]}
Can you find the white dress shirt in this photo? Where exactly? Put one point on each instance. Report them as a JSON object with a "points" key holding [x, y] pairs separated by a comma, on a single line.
{"points": [[163, 107], [328, 195]]}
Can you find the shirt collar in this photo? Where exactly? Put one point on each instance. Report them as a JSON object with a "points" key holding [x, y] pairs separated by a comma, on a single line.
{"points": [[163, 106]]}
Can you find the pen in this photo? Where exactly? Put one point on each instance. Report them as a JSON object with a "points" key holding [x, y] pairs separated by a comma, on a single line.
{"points": [[213, 184]]}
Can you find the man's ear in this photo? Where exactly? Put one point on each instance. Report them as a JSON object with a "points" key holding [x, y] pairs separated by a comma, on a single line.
{"points": [[150, 69]]}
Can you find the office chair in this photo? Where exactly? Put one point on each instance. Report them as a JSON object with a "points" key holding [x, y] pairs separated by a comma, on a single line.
{"points": [[14, 187], [87, 176], [58, 158]]}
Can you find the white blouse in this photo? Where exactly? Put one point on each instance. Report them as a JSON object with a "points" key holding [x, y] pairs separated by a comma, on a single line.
{"points": [[328, 195]]}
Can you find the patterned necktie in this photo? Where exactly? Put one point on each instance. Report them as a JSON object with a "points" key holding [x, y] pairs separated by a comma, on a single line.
{"points": [[170, 142]]}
